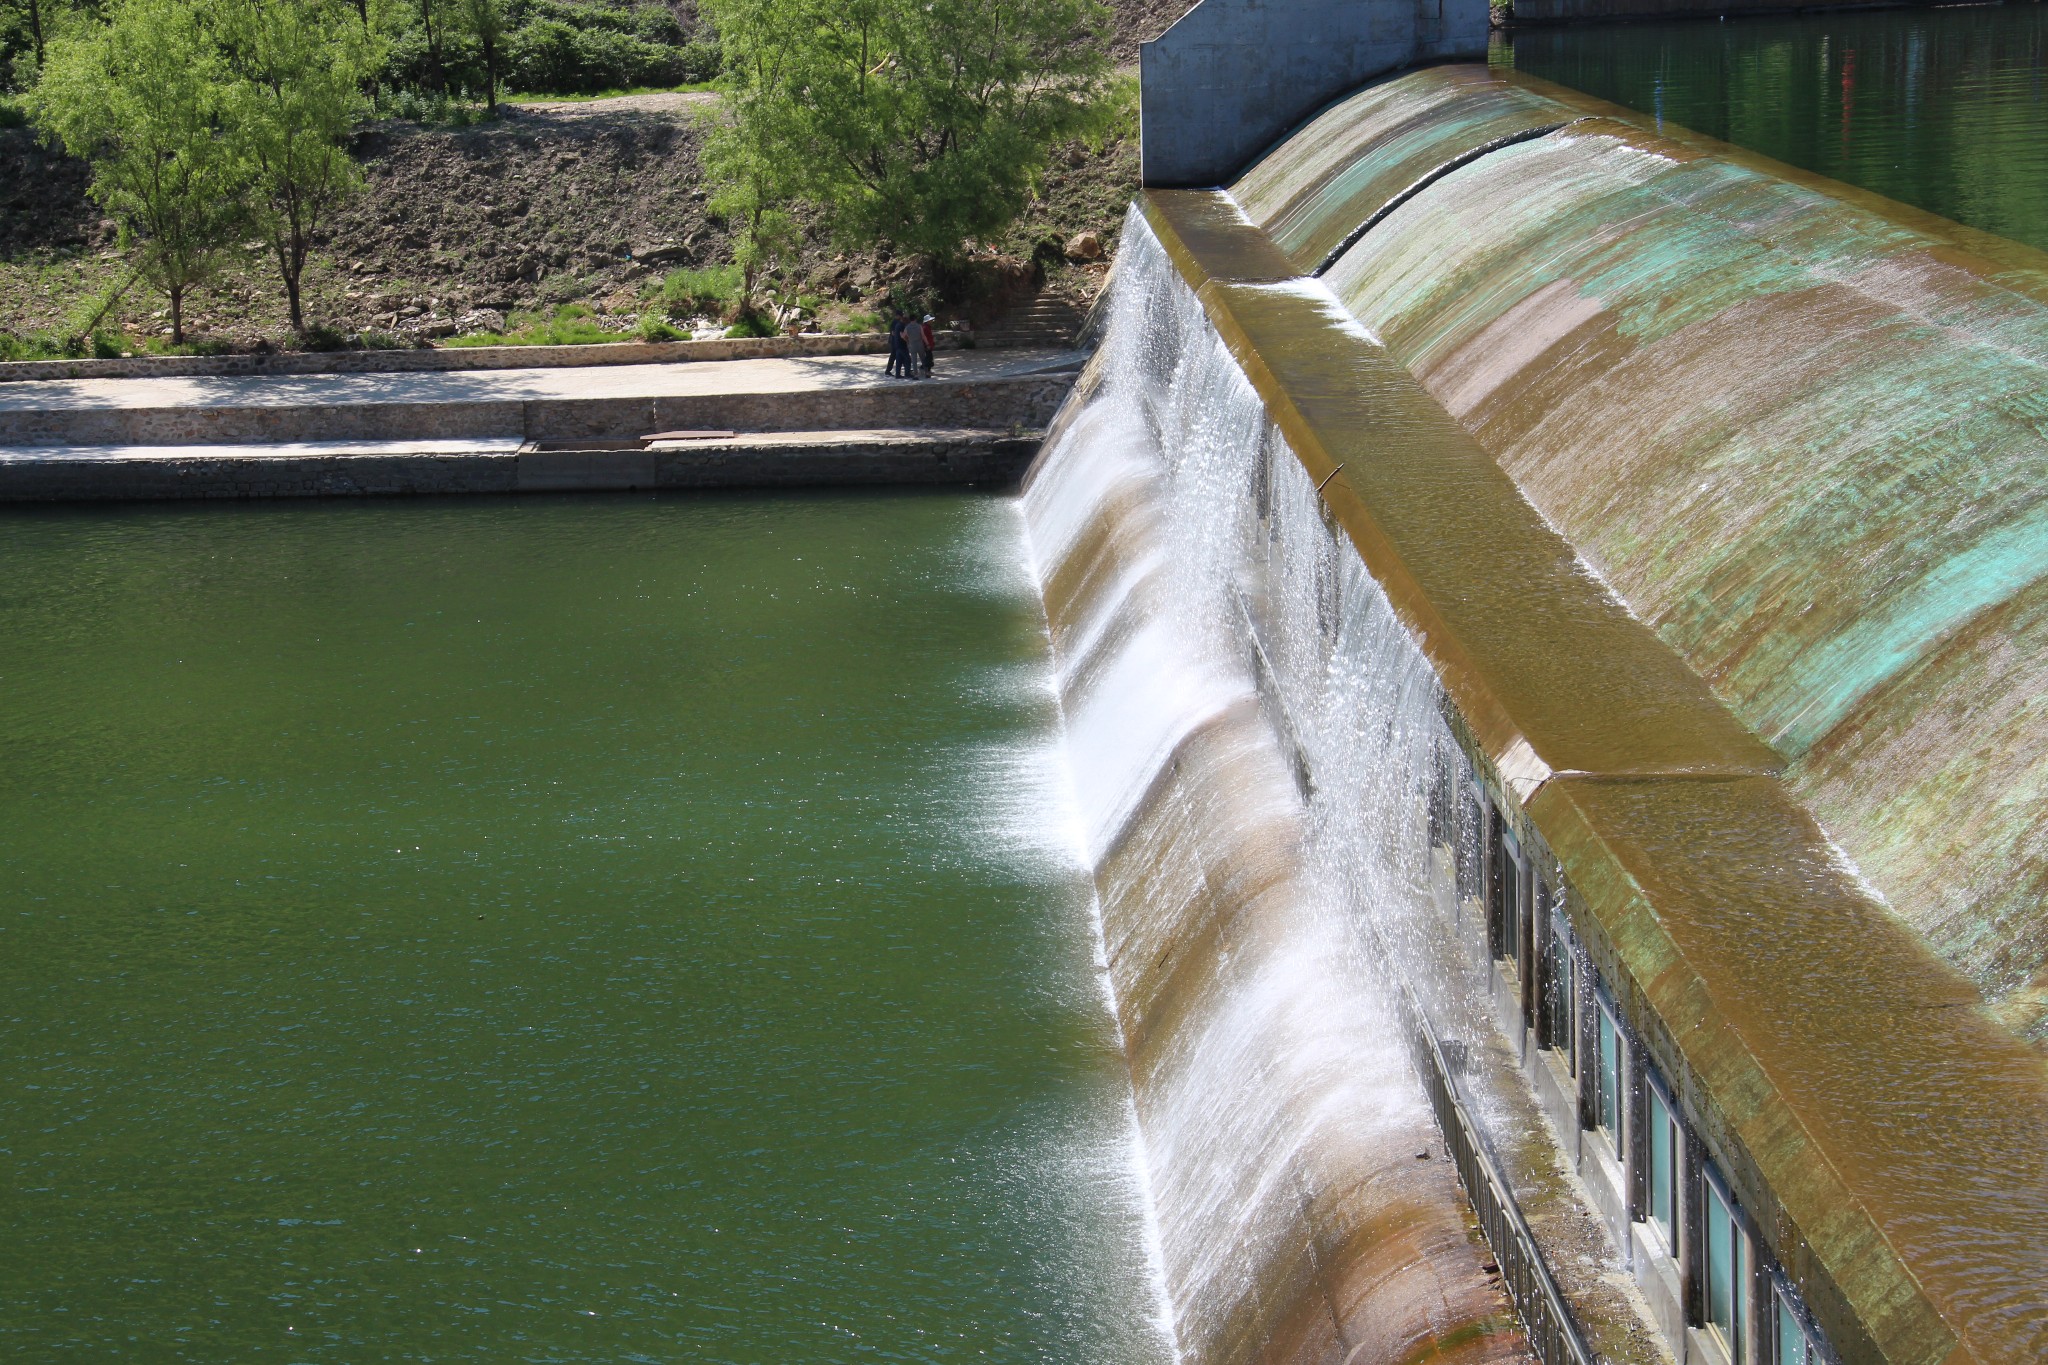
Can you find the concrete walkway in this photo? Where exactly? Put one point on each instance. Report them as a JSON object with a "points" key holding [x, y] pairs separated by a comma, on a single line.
{"points": [[794, 375], [988, 390]]}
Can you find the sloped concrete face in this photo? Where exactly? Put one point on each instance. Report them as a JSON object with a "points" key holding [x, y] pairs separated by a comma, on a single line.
{"points": [[1234, 76]]}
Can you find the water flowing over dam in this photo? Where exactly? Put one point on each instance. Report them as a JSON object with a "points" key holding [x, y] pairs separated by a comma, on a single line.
{"points": [[1729, 389], [1305, 1207], [1545, 614]]}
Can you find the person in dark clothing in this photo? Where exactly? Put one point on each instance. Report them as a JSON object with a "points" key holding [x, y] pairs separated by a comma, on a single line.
{"points": [[899, 348], [931, 343]]}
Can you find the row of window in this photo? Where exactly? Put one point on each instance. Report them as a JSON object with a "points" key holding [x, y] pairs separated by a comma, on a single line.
{"points": [[1732, 1291]]}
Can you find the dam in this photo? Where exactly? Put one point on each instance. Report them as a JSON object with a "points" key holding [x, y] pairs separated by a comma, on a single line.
{"points": [[1479, 803]]}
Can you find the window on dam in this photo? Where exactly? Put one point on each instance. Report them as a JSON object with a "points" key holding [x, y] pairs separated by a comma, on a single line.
{"points": [[1607, 1070], [1724, 1281], [1663, 1151]]}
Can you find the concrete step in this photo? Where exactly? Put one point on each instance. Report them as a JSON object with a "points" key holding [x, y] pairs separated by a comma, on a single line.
{"points": [[1041, 321], [355, 468]]}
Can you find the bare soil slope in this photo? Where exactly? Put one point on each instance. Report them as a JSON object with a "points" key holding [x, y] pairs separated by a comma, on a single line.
{"points": [[457, 227]]}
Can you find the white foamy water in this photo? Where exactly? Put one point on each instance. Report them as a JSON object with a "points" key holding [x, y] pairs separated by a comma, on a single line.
{"points": [[1241, 909]]}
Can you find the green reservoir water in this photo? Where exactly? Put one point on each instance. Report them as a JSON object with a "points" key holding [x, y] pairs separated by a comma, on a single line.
{"points": [[548, 930], [1945, 109]]}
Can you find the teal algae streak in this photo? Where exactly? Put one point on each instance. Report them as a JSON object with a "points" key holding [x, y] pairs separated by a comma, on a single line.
{"points": [[1798, 429]]}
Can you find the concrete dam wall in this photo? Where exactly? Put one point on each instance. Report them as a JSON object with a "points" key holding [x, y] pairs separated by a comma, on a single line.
{"points": [[1737, 394], [1567, 591]]}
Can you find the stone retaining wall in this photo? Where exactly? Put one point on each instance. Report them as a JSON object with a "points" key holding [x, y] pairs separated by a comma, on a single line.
{"points": [[462, 358], [988, 458]]}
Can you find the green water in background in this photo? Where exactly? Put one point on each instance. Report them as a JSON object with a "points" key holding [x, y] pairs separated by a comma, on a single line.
{"points": [[1944, 109], [547, 930]]}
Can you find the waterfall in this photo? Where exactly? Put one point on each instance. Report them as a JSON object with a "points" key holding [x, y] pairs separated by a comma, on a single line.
{"points": [[1253, 740]]}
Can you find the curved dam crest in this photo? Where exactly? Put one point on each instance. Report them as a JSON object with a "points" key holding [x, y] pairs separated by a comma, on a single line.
{"points": [[1735, 393], [1595, 616]]}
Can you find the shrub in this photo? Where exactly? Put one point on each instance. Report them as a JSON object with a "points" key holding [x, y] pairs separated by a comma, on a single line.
{"points": [[654, 327], [709, 290], [555, 56], [859, 323], [321, 337], [752, 325], [570, 325]]}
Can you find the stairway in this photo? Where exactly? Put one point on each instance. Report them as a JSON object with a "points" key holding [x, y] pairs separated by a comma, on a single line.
{"points": [[1041, 320]]}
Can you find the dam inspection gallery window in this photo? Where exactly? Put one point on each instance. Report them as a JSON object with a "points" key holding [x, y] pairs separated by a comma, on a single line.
{"points": [[1739, 1302]]}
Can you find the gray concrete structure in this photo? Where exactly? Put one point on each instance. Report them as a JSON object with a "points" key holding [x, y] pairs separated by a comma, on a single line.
{"points": [[805, 420], [404, 468], [1233, 76], [975, 389]]}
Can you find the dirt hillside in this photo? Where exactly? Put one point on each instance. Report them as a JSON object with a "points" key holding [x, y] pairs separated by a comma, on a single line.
{"points": [[457, 228]]}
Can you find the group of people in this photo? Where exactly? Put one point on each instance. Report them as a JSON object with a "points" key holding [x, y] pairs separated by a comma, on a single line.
{"points": [[910, 346]]}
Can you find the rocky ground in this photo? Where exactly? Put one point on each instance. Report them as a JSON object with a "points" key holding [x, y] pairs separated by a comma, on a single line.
{"points": [[458, 228]]}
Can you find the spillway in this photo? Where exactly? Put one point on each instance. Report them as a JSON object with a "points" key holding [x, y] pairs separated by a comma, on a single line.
{"points": [[1544, 610], [1306, 1208]]}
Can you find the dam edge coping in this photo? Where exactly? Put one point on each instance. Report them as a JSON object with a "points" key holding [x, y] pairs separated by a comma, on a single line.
{"points": [[1670, 926], [1889, 1302], [1325, 397]]}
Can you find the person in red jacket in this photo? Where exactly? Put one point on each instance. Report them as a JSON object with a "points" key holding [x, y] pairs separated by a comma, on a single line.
{"points": [[931, 341]]}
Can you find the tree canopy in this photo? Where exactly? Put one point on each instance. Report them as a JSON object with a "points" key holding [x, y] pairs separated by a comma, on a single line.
{"points": [[922, 123], [140, 99], [204, 119]]}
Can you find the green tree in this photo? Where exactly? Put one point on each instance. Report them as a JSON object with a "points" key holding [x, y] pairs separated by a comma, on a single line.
{"points": [[297, 68], [924, 123], [743, 157], [437, 75], [33, 18], [485, 20], [139, 99]]}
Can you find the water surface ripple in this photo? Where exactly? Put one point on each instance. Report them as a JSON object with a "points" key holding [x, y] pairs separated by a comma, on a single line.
{"points": [[548, 930]]}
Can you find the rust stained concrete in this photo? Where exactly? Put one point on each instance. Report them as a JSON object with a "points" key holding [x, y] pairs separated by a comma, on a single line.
{"points": [[1879, 1116], [1869, 1110]]}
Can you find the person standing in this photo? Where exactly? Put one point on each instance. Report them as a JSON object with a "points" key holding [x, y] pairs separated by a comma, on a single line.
{"points": [[931, 343], [899, 346], [913, 335]]}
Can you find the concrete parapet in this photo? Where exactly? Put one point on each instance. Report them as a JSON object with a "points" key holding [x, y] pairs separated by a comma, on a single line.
{"points": [[1233, 76], [446, 358]]}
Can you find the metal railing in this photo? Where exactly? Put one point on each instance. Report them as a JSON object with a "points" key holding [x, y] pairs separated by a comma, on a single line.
{"points": [[1553, 1333]]}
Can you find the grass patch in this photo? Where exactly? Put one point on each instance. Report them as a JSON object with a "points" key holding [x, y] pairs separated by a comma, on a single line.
{"points": [[49, 346], [434, 111], [580, 97], [655, 327], [570, 325], [164, 346], [752, 325], [857, 324], [687, 291]]}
